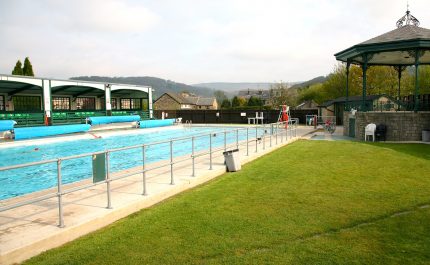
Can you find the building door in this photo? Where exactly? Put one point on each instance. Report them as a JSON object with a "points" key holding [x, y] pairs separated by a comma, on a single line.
{"points": [[351, 128], [339, 113]]}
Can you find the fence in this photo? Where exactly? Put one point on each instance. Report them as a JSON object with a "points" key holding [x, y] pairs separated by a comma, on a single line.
{"points": [[26, 119], [276, 132], [231, 116], [405, 103]]}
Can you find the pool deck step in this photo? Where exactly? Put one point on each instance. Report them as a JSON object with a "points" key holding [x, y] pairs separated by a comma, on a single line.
{"points": [[29, 230]]}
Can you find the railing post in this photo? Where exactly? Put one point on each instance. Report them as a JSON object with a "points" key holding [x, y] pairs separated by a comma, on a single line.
{"points": [[295, 130], [210, 151], [282, 132], [270, 135], [144, 171], [247, 141], [237, 139], [109, 202], [192, 157], [263, 138], [225, 140], [172, 181], [60, 195], [256, 139], [291, 130]]}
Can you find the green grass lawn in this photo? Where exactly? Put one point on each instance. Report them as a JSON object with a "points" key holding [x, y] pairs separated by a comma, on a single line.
{"points": [[312, 202]]}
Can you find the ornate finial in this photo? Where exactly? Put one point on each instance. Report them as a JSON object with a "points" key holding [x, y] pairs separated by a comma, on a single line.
{"points": [[407, 19]]}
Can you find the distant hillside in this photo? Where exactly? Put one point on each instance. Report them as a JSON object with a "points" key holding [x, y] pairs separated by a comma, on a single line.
{"points": [[158, 84], [232, 89], [228, 87], [316, 80]]}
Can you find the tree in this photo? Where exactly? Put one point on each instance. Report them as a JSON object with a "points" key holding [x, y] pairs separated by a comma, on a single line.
{"points": [[226, 104], [28, 68], [220, 96], [313, 92], [280, 94], [235, 102], [254, 101], [18, 68], [238, 102]]}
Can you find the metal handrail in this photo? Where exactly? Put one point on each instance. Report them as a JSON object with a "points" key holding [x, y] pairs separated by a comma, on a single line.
{"points": [[292, 125]]}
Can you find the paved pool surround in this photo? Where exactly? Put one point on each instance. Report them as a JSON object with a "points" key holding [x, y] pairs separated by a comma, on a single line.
{"points": [[32, 229]]}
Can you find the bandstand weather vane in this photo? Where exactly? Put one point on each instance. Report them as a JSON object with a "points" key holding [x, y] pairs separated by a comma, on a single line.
{"points": [[407, 19]]}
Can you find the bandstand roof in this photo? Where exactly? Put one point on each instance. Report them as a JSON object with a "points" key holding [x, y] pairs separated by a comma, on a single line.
{"points": [[396, 47]]}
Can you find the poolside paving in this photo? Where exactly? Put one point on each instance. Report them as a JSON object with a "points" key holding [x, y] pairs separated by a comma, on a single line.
{"points": [[28, 230], [321, 134]]}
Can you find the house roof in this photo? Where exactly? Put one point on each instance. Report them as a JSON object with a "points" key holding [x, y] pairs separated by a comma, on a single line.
{"points": [[350, 99], [260, 93], [199, 101], [192, 100], [306, 103], [178, 98], [205, 101]]}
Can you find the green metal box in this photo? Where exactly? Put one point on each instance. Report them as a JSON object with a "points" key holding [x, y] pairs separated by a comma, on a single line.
{"points": [[99, 167]]}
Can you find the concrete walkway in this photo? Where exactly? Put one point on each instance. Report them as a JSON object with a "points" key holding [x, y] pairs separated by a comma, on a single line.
{"points": [[28, 230], [326, 136]]}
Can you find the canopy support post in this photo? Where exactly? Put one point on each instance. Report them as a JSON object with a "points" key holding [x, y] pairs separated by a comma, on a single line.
{"points": [[364, 68], [417, 63], [348, 64], [399, 69]]}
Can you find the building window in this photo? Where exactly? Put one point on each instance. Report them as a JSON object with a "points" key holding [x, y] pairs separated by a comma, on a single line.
{"points": [[131, 103], [2, 103], [86, 103], [26, 103], [60, 103], [113, 103]]}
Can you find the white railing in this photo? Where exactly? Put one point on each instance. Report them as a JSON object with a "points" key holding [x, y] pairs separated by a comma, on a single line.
{"points": [[276, 132]]}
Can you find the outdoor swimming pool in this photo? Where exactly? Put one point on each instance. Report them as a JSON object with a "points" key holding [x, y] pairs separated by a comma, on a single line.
{"points": [[35, 178]]}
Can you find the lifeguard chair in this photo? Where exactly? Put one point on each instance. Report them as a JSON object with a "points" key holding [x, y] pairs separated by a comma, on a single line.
{"points": [[284, 115]]}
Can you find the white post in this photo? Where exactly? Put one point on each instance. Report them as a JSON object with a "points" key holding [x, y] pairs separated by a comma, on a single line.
{"points": [[150, 102], [46, 86], [108, 100]]}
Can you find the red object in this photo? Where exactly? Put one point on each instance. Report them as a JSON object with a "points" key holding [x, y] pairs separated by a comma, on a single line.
{"points": [[284, 116]]}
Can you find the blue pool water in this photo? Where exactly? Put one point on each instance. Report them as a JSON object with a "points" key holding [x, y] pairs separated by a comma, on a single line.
{"points": [[35, 178]]}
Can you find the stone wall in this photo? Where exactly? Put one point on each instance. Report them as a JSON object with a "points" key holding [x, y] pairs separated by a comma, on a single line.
{"points": [[346, 117], [401, 126], [166, 102]]}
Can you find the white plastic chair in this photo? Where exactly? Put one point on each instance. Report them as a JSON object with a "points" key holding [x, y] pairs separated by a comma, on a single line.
{"points": [[370, 131]]}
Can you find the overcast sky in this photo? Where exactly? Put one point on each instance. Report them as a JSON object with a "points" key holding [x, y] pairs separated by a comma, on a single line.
{"points": [[192, 41]]}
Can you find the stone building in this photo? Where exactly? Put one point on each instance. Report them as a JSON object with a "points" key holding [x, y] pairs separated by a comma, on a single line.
{"points": [[184, 101], [263, 95], [307, 105]]}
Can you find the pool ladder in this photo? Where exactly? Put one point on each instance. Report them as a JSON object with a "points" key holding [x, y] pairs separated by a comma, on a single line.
{"points": [[188, 123]]}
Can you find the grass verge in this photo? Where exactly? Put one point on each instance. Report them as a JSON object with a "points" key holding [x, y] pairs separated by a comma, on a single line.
{"points": [[312, 202]]}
